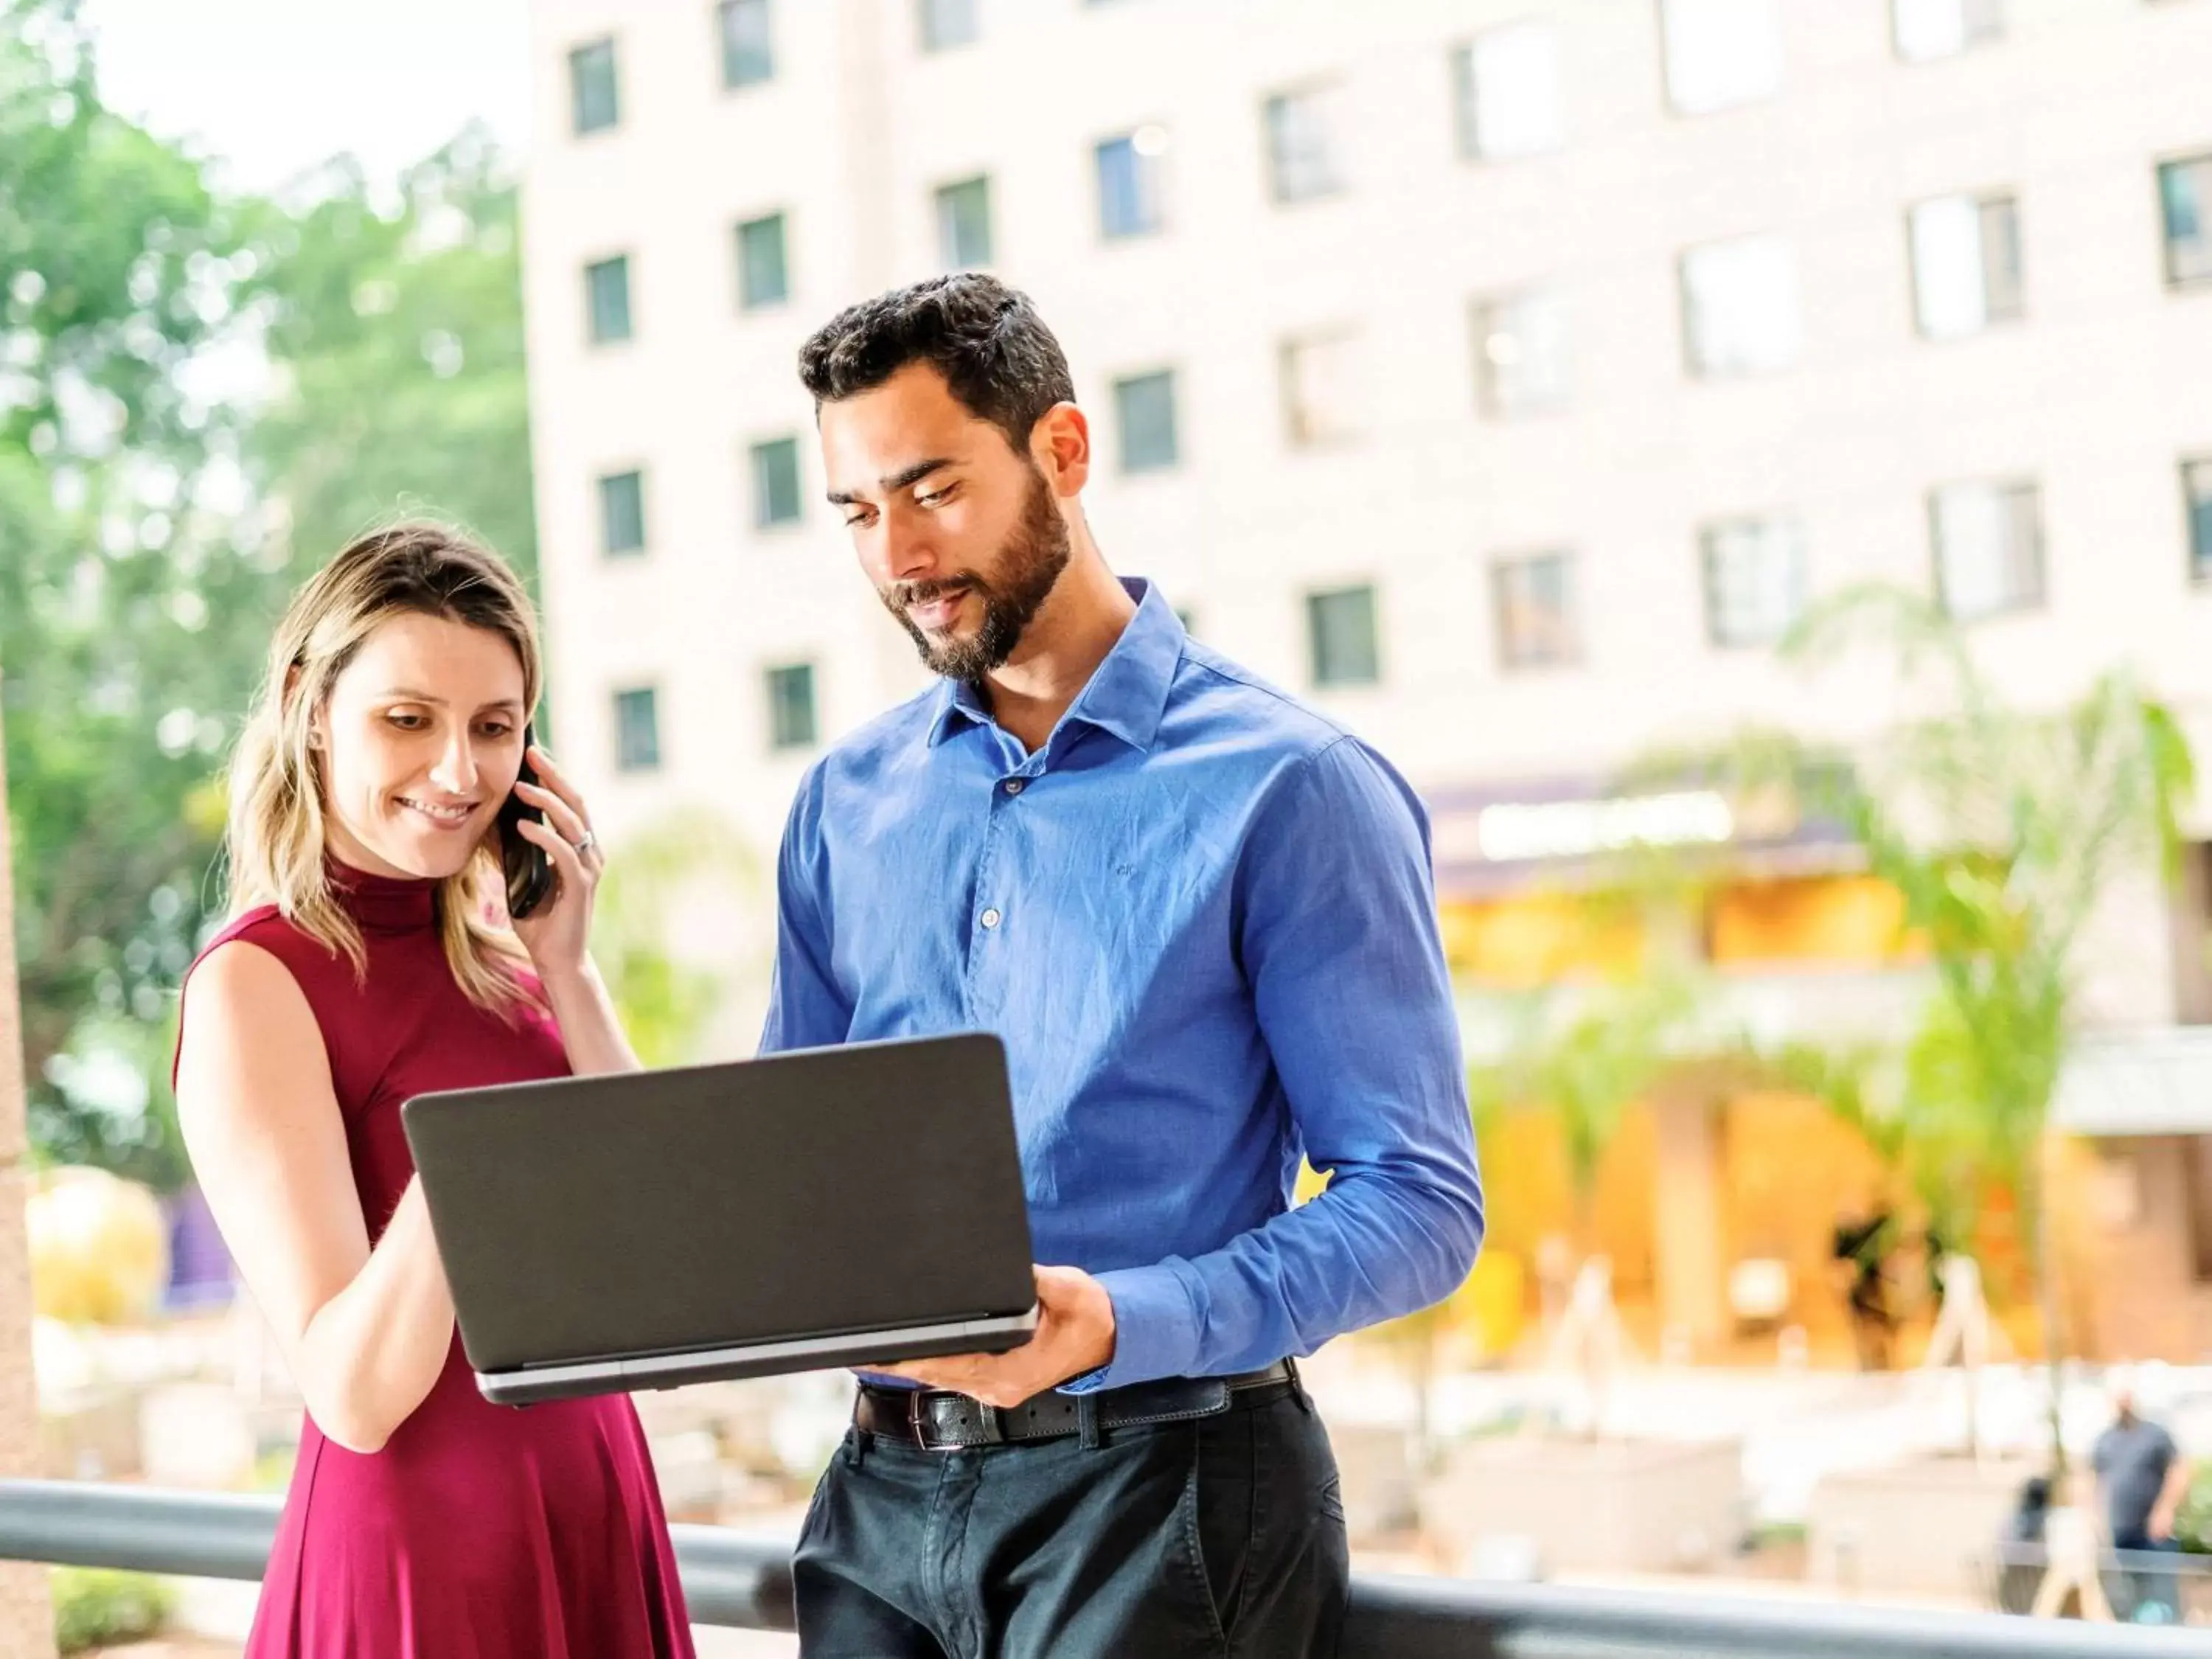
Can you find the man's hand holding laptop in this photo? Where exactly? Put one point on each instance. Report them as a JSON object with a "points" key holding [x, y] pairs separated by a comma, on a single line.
{"points": [[1074, 1334]]}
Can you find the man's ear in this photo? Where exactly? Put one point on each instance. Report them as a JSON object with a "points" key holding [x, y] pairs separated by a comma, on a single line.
{"points": [[1059, 444]]}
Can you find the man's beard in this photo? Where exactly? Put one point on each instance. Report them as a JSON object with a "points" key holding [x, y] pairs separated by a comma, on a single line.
{"points": [[1028, 564]]}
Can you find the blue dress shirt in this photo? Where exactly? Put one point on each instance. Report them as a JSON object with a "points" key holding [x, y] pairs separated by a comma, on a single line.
{"points": [[1201, 918]]}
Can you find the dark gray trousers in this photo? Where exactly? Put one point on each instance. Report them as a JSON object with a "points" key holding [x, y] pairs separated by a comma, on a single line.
{"points": [[1219, 1536]]}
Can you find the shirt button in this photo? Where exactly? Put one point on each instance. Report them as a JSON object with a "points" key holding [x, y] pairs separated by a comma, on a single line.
{"points": [[991, 918], [1013, 785]]}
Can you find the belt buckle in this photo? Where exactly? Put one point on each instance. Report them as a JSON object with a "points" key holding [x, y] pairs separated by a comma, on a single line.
{"points": [[918, 1425], [917, 1420]]}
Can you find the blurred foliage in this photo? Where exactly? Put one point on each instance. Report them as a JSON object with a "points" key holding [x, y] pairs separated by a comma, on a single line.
{"points": [[2192, 1522], [1585, 1060], [98, 1606], [2002, 830], [200, 400], [396, 332], [124, 548], [665, 1001]]}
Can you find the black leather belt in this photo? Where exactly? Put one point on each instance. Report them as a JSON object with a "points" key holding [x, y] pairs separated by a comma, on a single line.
{"points": [[937, 1420]]}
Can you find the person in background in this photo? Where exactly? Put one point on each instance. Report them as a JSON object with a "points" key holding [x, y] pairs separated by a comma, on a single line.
{"points": [[2141, 1474], [2142, 1477], [1863, 1247], [2030, 1512], [367, 961]]}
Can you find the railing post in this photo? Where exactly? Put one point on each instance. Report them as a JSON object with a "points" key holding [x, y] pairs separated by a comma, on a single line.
{"points": [[26, 1620]]}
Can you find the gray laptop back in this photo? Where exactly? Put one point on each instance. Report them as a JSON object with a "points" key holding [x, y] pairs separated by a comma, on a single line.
{"points": [[810, 1193]]}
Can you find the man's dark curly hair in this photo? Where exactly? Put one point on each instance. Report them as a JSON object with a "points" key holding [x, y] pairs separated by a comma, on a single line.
{"points": [[986, 339]]}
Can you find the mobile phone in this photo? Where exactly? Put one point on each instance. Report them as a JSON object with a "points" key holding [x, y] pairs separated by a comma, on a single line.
{"points": [[531, 881]]}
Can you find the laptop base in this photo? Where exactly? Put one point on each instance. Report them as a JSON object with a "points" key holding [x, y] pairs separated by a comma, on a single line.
{"points": [[852, 1351]]}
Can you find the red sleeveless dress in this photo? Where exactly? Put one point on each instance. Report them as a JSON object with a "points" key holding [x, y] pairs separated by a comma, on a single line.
{"points": [[479, 1531]]}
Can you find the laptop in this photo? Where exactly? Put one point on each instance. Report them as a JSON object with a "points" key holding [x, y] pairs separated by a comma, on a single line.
{"points": [[845, 1207]]}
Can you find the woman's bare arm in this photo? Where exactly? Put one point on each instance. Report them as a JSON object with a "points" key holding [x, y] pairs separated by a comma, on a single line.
{"points": [[366, 1332]]}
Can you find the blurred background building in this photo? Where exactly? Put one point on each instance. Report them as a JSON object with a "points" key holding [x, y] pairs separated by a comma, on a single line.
{"points": [[1504, 376]]}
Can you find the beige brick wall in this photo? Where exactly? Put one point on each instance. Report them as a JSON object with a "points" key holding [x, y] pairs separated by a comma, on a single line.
{"points": [[26, 1621]]}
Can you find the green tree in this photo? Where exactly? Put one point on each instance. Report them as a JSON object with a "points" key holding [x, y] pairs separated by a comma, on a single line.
{"points": [[1584, 1063], [2002, 830], [665, 1002], [199, 399], [120, 554], [395, 332]]}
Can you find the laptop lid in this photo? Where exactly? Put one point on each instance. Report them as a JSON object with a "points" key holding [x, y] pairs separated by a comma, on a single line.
{"points": [[870, 1186]]}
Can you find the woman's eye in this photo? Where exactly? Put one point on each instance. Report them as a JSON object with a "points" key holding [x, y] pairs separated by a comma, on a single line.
{"points": [[496, 730], [408, 722]]}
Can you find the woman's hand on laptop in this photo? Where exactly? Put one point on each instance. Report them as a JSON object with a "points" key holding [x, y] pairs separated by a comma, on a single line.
{"points": [[1074, 1334]]}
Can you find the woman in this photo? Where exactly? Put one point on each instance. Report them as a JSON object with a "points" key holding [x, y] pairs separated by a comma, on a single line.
{"points": [[362, 966]]}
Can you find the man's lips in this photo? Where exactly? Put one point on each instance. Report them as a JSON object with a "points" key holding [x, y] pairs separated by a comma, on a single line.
{"points": [[935, 614]]}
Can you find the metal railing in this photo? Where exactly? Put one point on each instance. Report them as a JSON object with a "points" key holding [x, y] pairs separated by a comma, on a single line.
{"points": [[746, 1582]]}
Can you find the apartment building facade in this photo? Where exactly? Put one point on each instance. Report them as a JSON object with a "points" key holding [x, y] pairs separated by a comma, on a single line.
{"points": [[1505, 376]]}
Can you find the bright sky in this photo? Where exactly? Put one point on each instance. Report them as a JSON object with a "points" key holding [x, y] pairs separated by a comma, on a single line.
{"points": [[274, 87]]}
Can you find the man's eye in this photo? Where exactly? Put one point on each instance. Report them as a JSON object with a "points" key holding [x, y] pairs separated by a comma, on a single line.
{"points": [[859, 520], [934, 498]]}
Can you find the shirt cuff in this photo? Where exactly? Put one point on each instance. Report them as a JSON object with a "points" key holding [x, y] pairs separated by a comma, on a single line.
{"points": [[1155, 1328]]}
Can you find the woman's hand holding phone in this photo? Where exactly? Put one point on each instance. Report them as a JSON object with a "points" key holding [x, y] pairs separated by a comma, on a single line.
{"points": [[556, 933]]}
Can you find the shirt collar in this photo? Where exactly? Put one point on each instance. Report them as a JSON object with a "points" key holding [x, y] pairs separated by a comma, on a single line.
{"points": [[1127, 692]]}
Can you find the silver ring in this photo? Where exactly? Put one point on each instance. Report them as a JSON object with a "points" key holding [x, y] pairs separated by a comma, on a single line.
{"points": [[590, 839]]}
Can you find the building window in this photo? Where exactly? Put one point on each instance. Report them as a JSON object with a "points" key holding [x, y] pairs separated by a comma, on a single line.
{"points": [[1130, 184], [1144, 412], [1505, 88], [637, 730], [1965, 263], [1754, 580], [1721, 53], [2184, 190], [1341, 637], [763, 276], [1989, 548], [606, 292], [1320, 389], [775, 483], [621, 513], [946, 23], [593, 92], [791, 722], [1305, 135], [1535, 601], [1740, 307], [964, 224], [2196, 492], [1521, 359], [1927, 29], [748, 43]]}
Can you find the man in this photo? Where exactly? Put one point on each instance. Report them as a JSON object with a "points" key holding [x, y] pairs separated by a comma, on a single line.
{"points": [[1200, 917], [2140, 1473], [2142, 1477]]}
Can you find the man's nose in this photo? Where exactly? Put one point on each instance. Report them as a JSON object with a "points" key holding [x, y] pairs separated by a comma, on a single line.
{"points": [[909, 552]]}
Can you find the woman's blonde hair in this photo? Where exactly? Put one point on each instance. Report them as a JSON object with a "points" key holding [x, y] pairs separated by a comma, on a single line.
{"points": [[277, 828]]}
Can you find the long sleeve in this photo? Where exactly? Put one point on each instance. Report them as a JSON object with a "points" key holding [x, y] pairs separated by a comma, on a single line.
{"points": [[1337, 928], [806, 1008]]}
